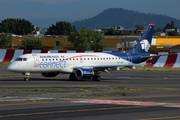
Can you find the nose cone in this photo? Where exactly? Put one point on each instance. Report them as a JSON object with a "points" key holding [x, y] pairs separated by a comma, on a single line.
{"points": [[12, 67]]}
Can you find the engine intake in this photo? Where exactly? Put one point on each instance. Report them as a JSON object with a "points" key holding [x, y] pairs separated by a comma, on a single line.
{"points": [[49, 74], [84, 73]]}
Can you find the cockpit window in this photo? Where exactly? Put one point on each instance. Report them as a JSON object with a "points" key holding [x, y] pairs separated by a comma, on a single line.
{"points": [[18, 59], [21, 59], [24, 59]]}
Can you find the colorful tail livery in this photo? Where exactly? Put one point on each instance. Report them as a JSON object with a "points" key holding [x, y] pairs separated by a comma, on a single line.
{"points": [[83, 65], [144, 43]]}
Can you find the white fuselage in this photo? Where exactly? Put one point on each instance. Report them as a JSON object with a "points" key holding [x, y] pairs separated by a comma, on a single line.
{"points": [[65, 62]]}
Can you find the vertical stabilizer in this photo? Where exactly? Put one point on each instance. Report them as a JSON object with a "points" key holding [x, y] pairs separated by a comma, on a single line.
{"points": [[144, 43]]}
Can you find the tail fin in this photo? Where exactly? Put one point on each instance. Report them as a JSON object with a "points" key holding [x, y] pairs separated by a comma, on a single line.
{"points": [[144, 43]]}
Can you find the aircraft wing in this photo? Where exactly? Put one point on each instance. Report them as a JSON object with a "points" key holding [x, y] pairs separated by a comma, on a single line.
{"points": [[104, 68]]}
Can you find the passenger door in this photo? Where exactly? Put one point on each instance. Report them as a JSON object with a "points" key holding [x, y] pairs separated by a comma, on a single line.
{"points": [[36, 60]]}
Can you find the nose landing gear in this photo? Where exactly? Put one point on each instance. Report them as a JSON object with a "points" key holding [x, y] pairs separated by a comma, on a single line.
{"points": [[26, 76]]}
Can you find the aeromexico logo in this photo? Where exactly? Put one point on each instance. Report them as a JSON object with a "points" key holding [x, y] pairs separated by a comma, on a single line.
{"points": [[145, 45]]}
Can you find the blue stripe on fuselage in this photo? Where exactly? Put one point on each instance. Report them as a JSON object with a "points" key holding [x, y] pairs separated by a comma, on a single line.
{"points": [[130, 57]]}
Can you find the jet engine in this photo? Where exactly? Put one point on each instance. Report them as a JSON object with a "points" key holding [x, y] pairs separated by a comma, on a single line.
{"points": [[49, 74], [86, 73]]}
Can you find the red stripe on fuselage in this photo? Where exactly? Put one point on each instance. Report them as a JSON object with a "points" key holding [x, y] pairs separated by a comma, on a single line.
{"points": [[83, 56]]}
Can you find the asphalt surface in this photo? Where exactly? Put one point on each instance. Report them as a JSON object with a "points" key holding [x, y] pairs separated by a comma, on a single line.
{"points": [[157, 99]]}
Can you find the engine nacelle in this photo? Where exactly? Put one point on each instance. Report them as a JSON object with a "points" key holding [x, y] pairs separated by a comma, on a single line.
{"points": [[49, 74], [86, 73]]}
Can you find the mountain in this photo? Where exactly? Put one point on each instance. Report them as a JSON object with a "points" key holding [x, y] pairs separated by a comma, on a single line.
{"points": [[84, 13], [125, 18]]}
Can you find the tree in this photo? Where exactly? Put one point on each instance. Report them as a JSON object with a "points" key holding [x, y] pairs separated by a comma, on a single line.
{"points": [[171, 26], [5, 40], [86, 39], [16, 26], [61, 28], [139, 27], [29, 43], [110, 32], [173, 33]]}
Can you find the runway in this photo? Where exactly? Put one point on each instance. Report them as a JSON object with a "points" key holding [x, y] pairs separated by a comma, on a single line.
{"points": [[149, 96], [114, 78]]}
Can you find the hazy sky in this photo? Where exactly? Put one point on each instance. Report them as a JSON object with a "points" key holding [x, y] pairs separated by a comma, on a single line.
{"points": [[167, 7], [54, 1], [73, 10]]}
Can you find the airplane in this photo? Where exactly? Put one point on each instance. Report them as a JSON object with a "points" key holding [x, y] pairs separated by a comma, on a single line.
{"points": [[83, 65]]}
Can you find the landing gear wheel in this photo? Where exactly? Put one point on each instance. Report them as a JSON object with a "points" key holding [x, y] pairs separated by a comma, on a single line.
{"points": [[96, 78], [26, 76], [26, 79], [72, 77]]}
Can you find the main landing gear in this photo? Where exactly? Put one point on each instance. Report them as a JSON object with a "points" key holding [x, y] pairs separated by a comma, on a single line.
{"points": [[26, 78], [95, 77], [72, 77]]}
